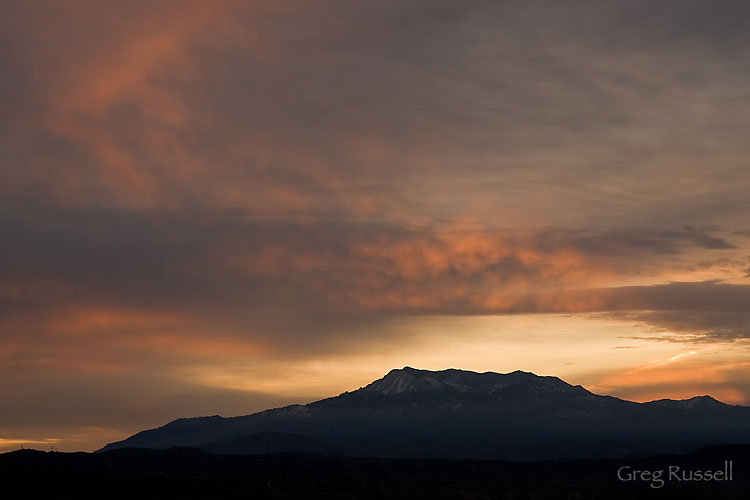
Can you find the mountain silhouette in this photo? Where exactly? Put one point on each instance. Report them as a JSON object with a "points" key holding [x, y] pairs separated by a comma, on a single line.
{"points": [[452, 413]]}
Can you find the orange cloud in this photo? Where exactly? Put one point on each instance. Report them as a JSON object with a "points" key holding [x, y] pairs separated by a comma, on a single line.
{"points": [[111, 81], [431, 270]]}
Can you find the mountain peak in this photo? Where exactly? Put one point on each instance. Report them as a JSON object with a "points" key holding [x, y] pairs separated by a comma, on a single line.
{"points": [[408, 379], [704, 401]]}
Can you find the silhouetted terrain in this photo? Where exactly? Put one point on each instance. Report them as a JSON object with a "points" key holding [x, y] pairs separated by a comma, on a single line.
{"points": [[190, 473], [464, 415]]}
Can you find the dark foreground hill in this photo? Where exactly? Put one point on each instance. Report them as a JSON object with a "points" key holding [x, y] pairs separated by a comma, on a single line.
{"points": [[460, 414], [187, 473]]}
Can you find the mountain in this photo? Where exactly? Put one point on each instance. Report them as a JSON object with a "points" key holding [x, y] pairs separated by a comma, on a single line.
{"points": [[413, 413]]}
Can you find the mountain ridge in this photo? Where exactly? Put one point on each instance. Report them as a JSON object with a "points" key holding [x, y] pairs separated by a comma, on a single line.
{"points": [[460, 413]]}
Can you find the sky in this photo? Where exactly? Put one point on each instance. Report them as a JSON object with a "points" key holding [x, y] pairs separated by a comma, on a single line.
{"points": [[222, 207]]}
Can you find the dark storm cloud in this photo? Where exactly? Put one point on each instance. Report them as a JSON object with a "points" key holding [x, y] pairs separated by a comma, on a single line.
{"points": [[694, 326], [647, 241], [700, 238], [680, 312], [693, 296], [236, 276], [166, 258]]}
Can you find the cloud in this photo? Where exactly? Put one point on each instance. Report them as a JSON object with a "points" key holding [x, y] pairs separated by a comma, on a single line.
{"points": [[183, 181], [198, 262], [700, 238], [201, 283], [693, 326], [391, 111]]}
